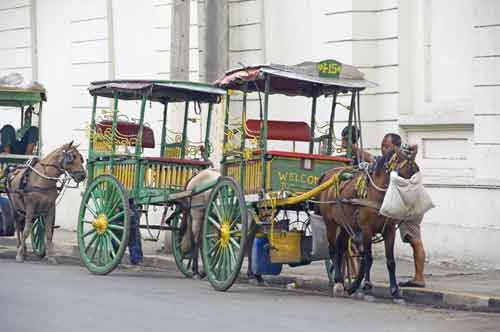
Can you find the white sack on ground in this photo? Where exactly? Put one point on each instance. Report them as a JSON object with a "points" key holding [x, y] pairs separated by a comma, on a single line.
{"points": [[406, 198]]}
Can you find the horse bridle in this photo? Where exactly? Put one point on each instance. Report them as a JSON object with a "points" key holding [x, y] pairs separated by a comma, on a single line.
{"points": [[68, 158], [392, 165]]}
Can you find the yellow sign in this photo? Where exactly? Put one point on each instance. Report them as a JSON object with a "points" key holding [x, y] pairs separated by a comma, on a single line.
{"points": [[295, 178]]}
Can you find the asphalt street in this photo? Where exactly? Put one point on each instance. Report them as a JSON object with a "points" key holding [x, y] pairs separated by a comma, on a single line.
{"points": [[35, 296]]}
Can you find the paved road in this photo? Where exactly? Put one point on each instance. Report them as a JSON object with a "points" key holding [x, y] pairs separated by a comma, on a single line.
{"points": [[38, 297]]}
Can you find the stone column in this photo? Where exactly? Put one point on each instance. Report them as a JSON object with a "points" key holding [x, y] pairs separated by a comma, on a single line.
{"points": [[487, 90]]}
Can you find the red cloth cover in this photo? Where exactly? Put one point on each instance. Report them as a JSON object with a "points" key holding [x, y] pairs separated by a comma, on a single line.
{"points": [[281, 130], [130, 130]]}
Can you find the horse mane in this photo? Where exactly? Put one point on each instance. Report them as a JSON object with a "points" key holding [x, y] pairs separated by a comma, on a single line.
{"points": [[54, 153]]}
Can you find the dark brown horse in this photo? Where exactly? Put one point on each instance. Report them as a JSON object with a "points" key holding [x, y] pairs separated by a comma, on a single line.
{"points": [[33, 190], [353, 205]]}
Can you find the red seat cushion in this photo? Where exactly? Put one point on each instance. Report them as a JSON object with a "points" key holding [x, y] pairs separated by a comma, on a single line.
{"points": [[281, 130], [192, 162], [306, 156], [129, 130]]}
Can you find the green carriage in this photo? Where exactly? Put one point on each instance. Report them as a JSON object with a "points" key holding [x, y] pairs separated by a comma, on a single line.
{"points": [[276, 187], [14, 102], [123, 181]]}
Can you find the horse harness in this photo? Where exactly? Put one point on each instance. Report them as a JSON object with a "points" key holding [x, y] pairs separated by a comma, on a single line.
{"points": [[24, 186]]}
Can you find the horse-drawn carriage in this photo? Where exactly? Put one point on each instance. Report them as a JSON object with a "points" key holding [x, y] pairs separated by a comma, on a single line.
{"points": [[265, 199], [274, 190], [123, 182], [25, 102], [258, 183]]}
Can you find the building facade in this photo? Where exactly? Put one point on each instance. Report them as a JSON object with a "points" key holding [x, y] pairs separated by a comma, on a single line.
{"points": [[436, 62]]}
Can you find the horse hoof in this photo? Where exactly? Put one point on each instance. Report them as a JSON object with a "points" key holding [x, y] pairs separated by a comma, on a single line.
{"points": [[253, 281], [19, 259], [262, 283], [398, 301], [198, 276], [52, 260], [338, 290], [369, 298]]}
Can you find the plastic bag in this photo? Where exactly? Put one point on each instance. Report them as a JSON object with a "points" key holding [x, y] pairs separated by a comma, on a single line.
{"points": [[406, 198]]}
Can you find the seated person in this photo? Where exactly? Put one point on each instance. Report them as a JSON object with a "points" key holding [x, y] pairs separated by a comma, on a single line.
{"points": [[355, 134], [22, 141]]}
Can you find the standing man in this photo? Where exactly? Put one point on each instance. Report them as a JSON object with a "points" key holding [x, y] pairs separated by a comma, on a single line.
{"points": [[409, 229]]}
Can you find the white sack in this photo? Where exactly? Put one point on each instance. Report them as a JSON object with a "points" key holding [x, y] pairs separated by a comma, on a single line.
{"points": [[406, 198]]}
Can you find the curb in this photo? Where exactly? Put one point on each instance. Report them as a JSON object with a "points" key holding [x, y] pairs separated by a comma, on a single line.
{"points": [[69, 254]]}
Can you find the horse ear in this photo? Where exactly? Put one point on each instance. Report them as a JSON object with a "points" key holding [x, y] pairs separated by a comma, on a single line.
{"points": [[70, 143]]}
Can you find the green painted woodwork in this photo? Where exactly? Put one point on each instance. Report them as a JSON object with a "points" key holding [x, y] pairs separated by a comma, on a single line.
{"points": [[184, 130], [104, 204], [113, 128], [224, 234], [164, 130], [13, 98], [290, 174], [133, 180], [206, 152], [226, 126], [263, 134]]}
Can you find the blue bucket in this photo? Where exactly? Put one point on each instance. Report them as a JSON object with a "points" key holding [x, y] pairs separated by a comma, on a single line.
{"points": [[261, 261]]}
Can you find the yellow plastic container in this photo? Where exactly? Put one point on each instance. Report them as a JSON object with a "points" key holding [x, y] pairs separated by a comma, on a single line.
{"points": [[285, 247]]}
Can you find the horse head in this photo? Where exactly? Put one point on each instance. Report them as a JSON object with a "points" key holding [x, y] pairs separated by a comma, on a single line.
{"points": [[71, 161], [402, 161]]}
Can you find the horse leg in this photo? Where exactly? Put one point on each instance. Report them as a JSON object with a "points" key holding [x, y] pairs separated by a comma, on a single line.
{"points": [[19, 231], [366, 262], [389, 237], [28, 222], [49, 224], [339, 252], [367, 287], [196, 224]]}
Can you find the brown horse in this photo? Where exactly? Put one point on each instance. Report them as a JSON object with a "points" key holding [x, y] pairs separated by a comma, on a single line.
{"points": [[355, 208], [33, 190]]}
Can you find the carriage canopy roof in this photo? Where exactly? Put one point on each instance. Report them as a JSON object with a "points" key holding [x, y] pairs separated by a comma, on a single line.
{"points": [[160, 91], [19, 97], [305, 79]]}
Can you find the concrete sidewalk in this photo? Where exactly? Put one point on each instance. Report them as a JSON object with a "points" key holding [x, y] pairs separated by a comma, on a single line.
{"points": [[447, 286]]}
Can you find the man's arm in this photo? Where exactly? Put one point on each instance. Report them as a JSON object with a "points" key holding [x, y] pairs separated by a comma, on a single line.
{"points": [[365, 156]]}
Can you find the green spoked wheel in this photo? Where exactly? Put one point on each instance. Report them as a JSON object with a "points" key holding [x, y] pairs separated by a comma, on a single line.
{"points": [[38, 241], [103, 224], [184, 262], [224, 233]]}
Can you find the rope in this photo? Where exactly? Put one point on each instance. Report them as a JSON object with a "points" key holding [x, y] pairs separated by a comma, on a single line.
{"points": [[364, 167]]}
